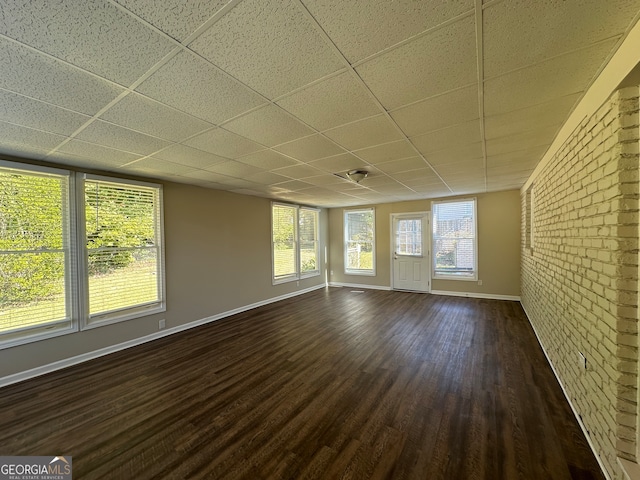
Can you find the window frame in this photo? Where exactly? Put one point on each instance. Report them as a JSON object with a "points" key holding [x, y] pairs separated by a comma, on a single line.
{"points": [[359, 271], [76, 276], [297, 274], [440, 275]]}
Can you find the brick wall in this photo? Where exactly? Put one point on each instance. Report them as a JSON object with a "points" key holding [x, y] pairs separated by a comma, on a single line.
{"points": [[580, 274]]}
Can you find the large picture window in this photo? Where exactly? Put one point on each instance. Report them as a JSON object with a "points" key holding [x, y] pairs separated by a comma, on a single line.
{"points": [[454, 240], [76, 251], [294, 241], [359, 242]]}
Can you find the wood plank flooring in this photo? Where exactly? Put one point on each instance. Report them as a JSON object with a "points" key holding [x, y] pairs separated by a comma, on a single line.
{"points": [[330, 384]]}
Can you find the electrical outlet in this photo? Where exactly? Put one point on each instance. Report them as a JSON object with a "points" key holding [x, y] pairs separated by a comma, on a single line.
{"points": [[479, 282], [583, 360], [332, 273], [161, 324], [297, 283]]}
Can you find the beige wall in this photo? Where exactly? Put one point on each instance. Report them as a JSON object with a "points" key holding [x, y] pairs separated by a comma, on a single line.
{"points": [[218, 258], [580, 277], [498, 246]]}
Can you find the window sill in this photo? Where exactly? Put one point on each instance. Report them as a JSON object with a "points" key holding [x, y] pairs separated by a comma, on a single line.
{"points": [[359, 272], [454, 277]]}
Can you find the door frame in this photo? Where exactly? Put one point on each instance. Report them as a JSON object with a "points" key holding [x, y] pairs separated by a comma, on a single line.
{"points": [[426, 244]]}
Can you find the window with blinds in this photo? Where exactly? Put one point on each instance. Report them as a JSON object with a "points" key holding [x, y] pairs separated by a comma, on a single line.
{"points": [[123, 247], [359, 242], [294, 241], [454, 239], [35, 253], [76, 251]]}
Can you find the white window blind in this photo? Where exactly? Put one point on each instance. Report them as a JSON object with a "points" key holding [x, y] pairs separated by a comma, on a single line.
{"points": [[35, 253], [123, 247], [359, 242], [454, 239], [294, 242]]}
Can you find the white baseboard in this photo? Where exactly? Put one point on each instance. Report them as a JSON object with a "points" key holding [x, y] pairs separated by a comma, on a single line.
{"points": [[566, 395], [489, 296], [67, 362], [357, 285]]}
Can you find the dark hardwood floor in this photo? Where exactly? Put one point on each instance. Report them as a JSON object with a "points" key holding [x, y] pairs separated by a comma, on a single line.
{"points": [[331, 384]]}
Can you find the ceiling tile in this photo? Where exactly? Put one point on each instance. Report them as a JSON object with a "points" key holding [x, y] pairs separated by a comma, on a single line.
{"points": [[293, 185], [339, 163], [359, 32], [223, 143], [326, 180], [332, 102], [91, 34], [267, 159], [420, 175], [464, 169], [148, 116], [113, 136], [387, 152], [194, 86], [176, 18], [530, 157], [92, 155], [437, 112], [397, 166], [234, 169], [43, 78], [32, 113], [365, 133], [18, 140], [457, 135], [154, 166], [435, 63], [281, 49], [522, 140], [556, 78], [269, 125], [512, 30], [188, 156], [298, 171], [310, 148], [542, 115], [267, 178], [455, 154]]}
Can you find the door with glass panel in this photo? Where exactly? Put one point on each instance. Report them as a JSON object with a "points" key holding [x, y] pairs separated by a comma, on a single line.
{"points": [[410, 255]]}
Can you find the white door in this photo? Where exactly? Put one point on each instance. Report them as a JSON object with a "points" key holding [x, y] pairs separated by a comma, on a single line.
{"points": [[410, 255]]}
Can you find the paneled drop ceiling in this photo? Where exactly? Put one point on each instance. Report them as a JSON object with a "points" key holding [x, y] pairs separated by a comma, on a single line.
{"points": [[273, 97]]}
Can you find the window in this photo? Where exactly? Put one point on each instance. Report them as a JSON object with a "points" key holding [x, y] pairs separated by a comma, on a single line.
{"points": [[454, 240], [71, 260], [294, 241], [359, 242], [409, 237]]}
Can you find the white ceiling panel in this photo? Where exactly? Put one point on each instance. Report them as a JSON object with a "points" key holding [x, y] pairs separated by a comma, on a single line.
{"points": [[359, 32], [224, 143], [234, 169], [512, 29], [339, 163], [269, 126], [455, 154], [462, 134], [32, 113], [404, 165], [387, 152], [189, 156], [36, 75], [17, 140], [113, 136], [153, 118], [542, 115], [293, 185], [91, 34], [92, 155], [522, 140], [364, 133], [268, 159], [192, 85], [310, 148], [434, 63], [176, 18], [281, 50], [335, 101], [526, 157], [298, 171], [437, 112], [158, 166], [267, 178], [555, 78]]}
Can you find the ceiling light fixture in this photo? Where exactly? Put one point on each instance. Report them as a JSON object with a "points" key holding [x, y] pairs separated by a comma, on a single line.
{"points": [[357, 175]]}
